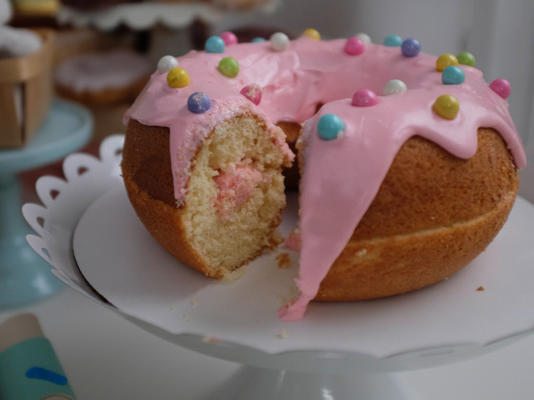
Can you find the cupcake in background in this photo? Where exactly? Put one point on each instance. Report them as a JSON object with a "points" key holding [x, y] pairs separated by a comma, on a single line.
{"points": [[105, 82]]}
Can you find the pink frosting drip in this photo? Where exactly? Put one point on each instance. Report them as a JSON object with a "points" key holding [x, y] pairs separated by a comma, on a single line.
{"points": [[341, 177]]}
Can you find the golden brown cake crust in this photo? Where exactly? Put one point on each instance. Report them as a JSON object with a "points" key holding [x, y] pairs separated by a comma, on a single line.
{"points": [[146, 170], [431, 216]]}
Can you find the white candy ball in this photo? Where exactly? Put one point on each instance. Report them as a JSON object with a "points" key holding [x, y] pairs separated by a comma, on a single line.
{"points": [[279, 41], [364, 37], [394, 86], [166, 63]]}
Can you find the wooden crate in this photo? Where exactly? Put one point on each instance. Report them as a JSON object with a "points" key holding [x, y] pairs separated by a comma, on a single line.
{"points": [[25, 93]]}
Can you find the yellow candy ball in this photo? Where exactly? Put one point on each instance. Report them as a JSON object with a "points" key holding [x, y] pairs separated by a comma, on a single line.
{"points": [[177, 78], [446, 60], [312, 33], [446, 106]]}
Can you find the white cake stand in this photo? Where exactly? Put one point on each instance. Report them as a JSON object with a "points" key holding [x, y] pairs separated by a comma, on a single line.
{"points": [[91, 237], [141, 16]]}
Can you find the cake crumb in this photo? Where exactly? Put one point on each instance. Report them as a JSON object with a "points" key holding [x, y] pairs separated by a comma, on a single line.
{"points": [[194, 302], [230, 277], [293, 241], [284, 261], [172, 308], [282, 334], [187, 316], [361, 253], [210, 339], [480, 289]]}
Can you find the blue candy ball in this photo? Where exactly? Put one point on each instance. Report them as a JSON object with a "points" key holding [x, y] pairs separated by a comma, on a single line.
{"points": [[393, 41], [410, 47], [214, 44], [257, 40], [330, 127], [198, 103], [452, 75]]}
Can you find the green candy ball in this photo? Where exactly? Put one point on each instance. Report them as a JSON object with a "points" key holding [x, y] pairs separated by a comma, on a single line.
{"points": [[229, 67], [466, 58]]}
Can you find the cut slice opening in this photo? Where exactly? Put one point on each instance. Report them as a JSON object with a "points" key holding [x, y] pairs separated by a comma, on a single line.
{"points": [[235, 194]]}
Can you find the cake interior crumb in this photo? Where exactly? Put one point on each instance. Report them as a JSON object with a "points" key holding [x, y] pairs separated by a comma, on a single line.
{"points": [[194, 302], [282, 334], [283, 260], [480, 289]]}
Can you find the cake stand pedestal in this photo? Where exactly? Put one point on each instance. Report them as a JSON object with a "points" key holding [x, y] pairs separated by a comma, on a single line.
{"points": [[96, 245], [24, 277], [269, 384]]}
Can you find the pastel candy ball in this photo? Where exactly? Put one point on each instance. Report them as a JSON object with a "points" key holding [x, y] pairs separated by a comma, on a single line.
{"points": [[229, 67], [279, 41], [452, 75], [364, 37], [252, 92], [214, 44], [229, 38], [198, 103], [258, 40], [178, 78], [410, 47], [394, 86], [354, 46], [312, 33], [166, 63], [501, 87], [446, 106], [466, 58], [330, 127], [364, 98], [445, 60], [393, 41]]}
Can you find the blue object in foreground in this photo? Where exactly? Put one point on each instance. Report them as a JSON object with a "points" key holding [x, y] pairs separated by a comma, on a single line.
{"points": [[30, 370], [44, 374]]}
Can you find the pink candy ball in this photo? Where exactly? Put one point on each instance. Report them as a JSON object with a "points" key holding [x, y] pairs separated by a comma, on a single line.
{"points": [[252, 92], [364, 98], [229, 38], [354, 46], [501, 87]]}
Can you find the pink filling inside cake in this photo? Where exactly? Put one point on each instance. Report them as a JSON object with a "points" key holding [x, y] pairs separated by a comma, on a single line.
{"points": [[235, 186]]}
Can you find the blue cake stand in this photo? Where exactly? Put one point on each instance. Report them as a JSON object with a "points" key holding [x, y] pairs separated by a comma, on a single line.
{"points": [[24, 276]]}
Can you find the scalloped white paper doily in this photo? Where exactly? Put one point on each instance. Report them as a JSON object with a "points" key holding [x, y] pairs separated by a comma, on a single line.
{"points": [[146, 15], [443, 323]]}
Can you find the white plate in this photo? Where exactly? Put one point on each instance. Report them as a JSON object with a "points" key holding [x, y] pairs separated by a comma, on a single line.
{"points": [[445, 322]]}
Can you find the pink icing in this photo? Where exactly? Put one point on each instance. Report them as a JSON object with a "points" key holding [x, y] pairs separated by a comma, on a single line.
{"points": [[341, 177], [235, 186], [292, 242]]}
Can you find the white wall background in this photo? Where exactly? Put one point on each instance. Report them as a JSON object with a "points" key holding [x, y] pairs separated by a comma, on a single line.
{"points": [[500, 33]]}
